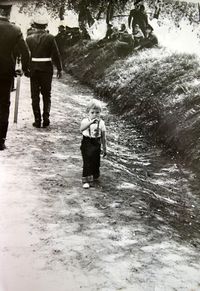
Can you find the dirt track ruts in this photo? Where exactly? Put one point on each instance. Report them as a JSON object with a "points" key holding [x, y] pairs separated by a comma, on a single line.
{"points": [[121, 235]]}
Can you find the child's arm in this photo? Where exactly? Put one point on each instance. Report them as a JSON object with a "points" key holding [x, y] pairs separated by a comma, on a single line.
{"points": [[103, 141], [86, 123]]}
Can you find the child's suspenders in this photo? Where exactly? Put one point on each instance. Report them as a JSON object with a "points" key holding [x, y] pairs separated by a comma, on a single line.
{"points": [[96, 131]]}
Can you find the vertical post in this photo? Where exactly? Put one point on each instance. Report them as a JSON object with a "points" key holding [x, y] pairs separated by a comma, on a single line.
{"points": [[199, 11], [17, 92]]}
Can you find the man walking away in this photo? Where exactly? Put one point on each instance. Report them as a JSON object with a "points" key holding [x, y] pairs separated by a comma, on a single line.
{"points": [[61, 39], [43, 50], [11, 39]]}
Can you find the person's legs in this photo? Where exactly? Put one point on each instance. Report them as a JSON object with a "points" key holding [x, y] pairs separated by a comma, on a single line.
{"points": [[86, 155], [46, 81], [95, 161], [35, 96], [5, 89]]}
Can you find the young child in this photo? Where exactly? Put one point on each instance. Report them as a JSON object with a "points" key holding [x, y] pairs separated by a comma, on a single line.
{"points": [[94, 134], [137, 35]]}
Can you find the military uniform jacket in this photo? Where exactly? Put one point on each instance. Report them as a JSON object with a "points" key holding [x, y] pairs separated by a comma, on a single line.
{"points": [[11, 40], [42, 45]]}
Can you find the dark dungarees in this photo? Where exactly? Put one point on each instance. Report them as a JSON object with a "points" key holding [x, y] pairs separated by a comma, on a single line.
{"points": [[91, 150]]}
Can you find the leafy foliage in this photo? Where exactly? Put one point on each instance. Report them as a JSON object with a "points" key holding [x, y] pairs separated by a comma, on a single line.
{"points": [[83, 7]]}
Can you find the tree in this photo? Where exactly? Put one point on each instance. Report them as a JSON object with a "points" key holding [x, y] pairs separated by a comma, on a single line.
{"points": [[88, 10], [62, 9]]}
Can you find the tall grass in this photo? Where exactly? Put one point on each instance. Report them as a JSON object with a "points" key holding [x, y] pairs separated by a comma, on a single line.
{"points": [[157, 89]]}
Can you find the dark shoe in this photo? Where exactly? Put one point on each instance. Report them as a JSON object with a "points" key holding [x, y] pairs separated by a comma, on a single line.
{"points": [[37, 124], [96, 177], [92, 184], [46, 123], [2, 146]]}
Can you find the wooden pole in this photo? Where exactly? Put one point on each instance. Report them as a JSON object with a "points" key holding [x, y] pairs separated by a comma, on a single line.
{"points": [[17, 93], [199, 11]]}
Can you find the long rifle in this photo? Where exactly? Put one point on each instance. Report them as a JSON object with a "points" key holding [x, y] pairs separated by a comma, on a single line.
{"points": [[18, 67]]}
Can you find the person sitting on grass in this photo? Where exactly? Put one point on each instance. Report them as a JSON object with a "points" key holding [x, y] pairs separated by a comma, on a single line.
{"points": [[124, 36], [108, 37], [94, 134], [123, 28], [115, 34], [149, 41], [124, 44], [109, 31], [137, 35]]}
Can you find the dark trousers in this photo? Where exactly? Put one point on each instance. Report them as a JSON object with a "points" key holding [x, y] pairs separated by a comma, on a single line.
{"points": [[5, 89], [41, 83], [90, 150]]}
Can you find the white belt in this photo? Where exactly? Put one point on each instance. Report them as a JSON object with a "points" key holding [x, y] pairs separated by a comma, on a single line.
{"points": [[41, 59]]}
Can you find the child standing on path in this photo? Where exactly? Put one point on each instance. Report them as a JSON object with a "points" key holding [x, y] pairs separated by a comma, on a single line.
{"points": [[94, 134]]}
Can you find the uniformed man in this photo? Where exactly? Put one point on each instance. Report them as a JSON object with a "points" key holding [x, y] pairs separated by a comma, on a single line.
{"points": [[44, 52], [61, 39], [11, 39]]}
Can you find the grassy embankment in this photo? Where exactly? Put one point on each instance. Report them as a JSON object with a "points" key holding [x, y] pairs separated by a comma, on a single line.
{"points": [[157, 89]]}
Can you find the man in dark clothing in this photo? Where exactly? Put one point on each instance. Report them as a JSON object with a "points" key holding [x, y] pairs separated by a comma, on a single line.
{"points": [[44, 51], [61, 38], [11, 39], [138, 16], [74, 36]]}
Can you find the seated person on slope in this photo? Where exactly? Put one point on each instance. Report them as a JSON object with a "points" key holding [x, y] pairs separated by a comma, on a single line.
{"points": [[123, 28], [138, 36], [149, 41]]}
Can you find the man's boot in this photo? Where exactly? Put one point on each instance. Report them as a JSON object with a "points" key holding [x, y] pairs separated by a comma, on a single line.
{"points": [[37, 123], [46, 113], [36, 109], [46, 122], [37, 115], [2, 144]]}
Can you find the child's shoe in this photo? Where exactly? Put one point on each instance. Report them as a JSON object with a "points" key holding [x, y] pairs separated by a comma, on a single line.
{"points": [[96, 177], [92, 184], [86, 185]]}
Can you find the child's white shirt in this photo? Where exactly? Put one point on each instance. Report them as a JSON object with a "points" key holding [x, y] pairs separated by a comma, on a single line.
{"points": [[95, 129]]}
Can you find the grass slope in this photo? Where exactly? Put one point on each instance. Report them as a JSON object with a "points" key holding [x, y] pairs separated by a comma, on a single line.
{"points": [[157, 89]]}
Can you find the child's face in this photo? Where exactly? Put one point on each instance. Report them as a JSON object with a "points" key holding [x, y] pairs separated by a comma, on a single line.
{"points": [[148, 32], [94, 113]]}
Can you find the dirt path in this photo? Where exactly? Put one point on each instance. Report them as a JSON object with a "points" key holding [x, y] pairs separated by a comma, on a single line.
{"points": [[138, 230]]}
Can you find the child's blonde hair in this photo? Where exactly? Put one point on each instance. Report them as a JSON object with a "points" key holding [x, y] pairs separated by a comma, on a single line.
{"points": [[94, 104]]}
